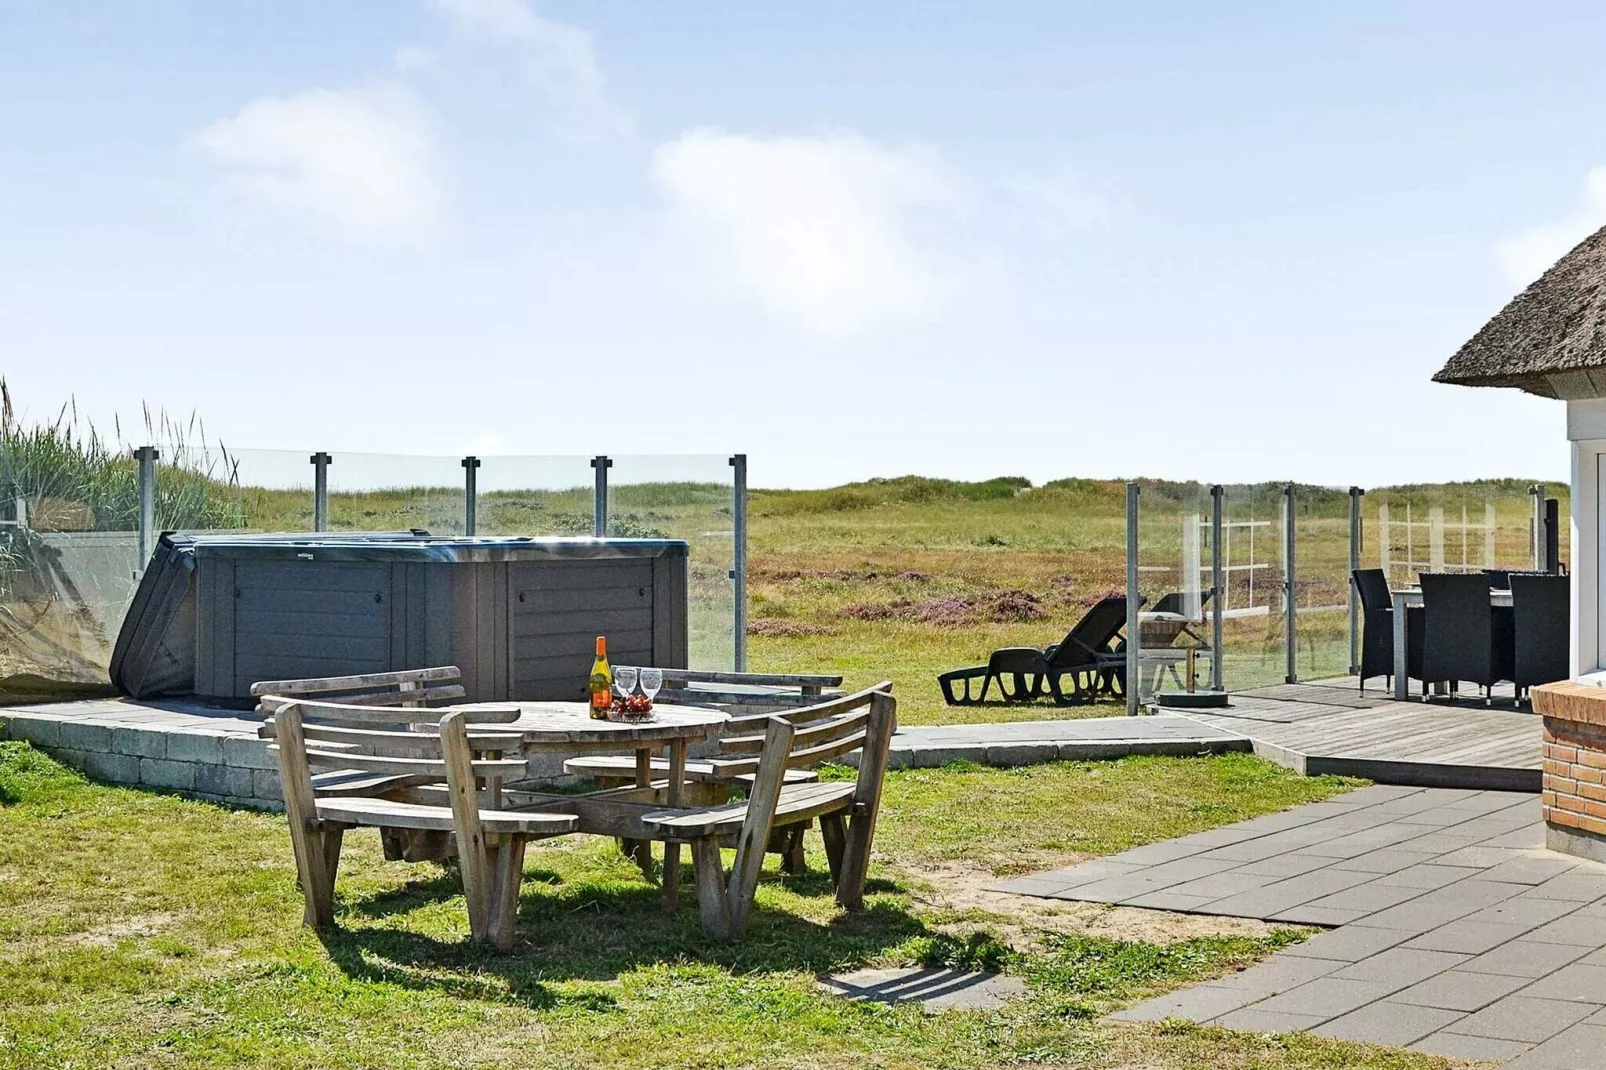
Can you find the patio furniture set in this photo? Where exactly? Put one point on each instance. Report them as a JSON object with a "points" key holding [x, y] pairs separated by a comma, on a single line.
{"points": [[1478, 628], [367, 752]]}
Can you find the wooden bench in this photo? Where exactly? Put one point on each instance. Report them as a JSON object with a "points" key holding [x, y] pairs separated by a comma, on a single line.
{"points": [[490, 842], [402, 698], [765, 747]]}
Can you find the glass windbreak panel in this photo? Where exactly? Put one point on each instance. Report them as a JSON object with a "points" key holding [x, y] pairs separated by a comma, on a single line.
{"points": [[535, 496], [1251, 597], [1173, 579], [69, 555], [686, 497], [275, 489], [395, 492], [1457, 527], [1321, 581]]}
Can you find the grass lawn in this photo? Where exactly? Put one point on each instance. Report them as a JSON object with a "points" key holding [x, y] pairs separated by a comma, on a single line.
{"points": [[148, 930]]}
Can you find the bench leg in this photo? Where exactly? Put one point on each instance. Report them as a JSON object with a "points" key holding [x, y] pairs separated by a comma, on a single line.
{"points": [[711, 901], [835, 836], [792, 860], [671, 885], [505, 883]]}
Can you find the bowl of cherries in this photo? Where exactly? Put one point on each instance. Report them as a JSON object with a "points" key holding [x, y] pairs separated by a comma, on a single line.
{"points": [[635, 708]]}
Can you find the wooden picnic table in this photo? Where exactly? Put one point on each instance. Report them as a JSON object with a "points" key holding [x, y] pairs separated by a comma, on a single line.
{"points": [[568, 728]]}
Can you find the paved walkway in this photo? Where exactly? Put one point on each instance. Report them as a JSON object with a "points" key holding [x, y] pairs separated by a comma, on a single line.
{"points": [[1032, 742], [1458, 934]]}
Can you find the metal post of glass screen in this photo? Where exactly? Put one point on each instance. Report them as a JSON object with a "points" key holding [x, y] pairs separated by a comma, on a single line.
{"points": [[599, 502], [1218, 595], [739, 558], [1291, 640], [146, 456], [1132, 632], [320, 490], [1354, 592], [1537, 535], [471, 494]]}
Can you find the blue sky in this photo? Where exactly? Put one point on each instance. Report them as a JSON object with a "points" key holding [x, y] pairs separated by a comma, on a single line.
{"points": [[1223, 242]]}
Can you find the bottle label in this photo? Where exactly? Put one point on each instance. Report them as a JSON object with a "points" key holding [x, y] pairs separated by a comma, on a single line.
{"points": [[601, 693]]}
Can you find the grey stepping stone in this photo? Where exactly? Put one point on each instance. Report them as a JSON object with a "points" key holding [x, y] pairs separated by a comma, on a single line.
{"points": [[1369, 897], [1387, 1022], [1200, 1003], [1388, 860], [1523, 957], [1530, 869], [1579, 981], [1576, 884], [1169, 899], [1575, 928], [1255, 1020], [1219, 885], [1428, 876], [1578, 1048], [1155, 853], [1326, 997], [1468, 936], [1461, 990], [1461, 1046], [1522, 910], [1310, 914], [1443, 905], [1280, 973], [1401, 966], [934, 989], [1348, 944], [1479, 856], [1520, 1017], [1288, 865]]}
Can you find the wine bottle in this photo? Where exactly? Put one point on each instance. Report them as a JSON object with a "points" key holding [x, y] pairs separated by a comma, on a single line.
{"points": [[601, 684]]}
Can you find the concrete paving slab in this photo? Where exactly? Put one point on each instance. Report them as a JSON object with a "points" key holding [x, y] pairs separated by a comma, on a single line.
{"points": [[1255, 1020], [1461, 1046], [1351, 943], [1468, 936], [1460, 990], [1200, 1003], [1523, 957], [1521, 1017], [1401, 966], [1578, 1048], [1387, 1022], [1326, 997], [1579, 982]]}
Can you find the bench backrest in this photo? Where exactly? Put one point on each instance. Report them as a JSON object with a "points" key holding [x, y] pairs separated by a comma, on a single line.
{"points": [[862, 722], [408, 687], [779, 690], [447, 755]]}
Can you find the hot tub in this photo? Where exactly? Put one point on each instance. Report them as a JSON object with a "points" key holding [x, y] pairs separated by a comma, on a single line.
{"points": [[216, 613]]}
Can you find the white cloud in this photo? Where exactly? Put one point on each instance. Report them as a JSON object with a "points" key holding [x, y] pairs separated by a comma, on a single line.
{"points": [[560, 59], [832, 232], [411, 58], [1055, 206], [359, 160], [1525, 257]]}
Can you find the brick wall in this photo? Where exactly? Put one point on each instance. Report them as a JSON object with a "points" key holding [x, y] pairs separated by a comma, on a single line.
{"points": [[1573, 792]]}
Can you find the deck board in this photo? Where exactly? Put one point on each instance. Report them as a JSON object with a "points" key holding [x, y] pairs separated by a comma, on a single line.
{"points": [[1329, 726]]}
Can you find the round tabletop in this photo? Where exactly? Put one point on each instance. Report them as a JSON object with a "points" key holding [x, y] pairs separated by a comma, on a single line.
{"points": [[564, 724]]}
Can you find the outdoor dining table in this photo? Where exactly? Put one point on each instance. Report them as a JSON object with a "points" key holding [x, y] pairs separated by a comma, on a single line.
{"points": [[1412, 596], [568, 728]]}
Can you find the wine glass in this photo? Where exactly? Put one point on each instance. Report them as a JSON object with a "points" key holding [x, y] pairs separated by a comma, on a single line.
{"points": [[624, 681], [651, 681]]}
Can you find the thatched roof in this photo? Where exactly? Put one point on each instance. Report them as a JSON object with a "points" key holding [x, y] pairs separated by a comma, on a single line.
{"points": [[1550, 337]]}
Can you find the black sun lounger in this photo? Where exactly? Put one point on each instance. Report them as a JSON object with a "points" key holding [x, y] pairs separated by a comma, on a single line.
{"points": [[1087, 655]]}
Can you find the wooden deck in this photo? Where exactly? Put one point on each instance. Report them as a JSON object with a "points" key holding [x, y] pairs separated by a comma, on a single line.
{"points": [[1328, 726]]}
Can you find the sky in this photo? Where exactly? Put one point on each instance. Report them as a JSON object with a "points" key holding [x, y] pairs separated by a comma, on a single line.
{"points": [[1225, 242]]}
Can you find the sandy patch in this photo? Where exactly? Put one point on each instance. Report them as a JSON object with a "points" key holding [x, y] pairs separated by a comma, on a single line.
{"points": [[1018, 920], [139, 925]]}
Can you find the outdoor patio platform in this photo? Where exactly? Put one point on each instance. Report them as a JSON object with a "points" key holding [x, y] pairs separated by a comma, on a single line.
{"points": [[1329, 726]]}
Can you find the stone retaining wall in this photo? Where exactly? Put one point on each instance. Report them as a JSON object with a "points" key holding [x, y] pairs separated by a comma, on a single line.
{"points": [[218, 765]]}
